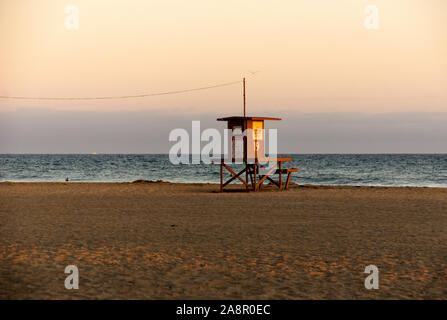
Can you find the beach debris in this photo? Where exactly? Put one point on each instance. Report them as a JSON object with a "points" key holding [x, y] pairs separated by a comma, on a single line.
{"points": [[149, 181]]}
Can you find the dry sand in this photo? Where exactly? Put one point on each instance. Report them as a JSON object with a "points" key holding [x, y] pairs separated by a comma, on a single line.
{"points": [[166, 241]]}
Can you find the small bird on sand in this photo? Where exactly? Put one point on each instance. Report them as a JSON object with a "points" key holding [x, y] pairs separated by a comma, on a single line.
{"points": [[67, 179]]}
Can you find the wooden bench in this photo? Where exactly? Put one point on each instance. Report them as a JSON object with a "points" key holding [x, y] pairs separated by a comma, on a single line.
{"points": [[289, 173]]}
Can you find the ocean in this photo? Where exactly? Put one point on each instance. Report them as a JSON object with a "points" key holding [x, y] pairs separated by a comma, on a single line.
{"points": [[423, 170]]}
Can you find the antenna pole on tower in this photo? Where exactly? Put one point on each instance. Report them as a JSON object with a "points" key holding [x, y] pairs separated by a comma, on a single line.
{"points": [[244, 97]]}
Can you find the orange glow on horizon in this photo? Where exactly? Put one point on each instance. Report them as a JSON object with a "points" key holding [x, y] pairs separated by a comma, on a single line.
{"points": [[313, 56]]}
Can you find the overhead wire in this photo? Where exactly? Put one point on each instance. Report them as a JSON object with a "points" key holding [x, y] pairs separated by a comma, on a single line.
{"points": [[124, 96]]}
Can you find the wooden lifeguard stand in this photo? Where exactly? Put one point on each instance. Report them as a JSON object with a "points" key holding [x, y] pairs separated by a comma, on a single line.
{"points": [[248, 147]]}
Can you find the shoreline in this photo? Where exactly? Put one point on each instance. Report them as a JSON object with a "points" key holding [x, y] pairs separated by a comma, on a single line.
{"points": [[293, 185]]}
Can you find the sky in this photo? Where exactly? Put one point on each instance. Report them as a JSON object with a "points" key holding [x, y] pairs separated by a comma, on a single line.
{"points": [[312, 63]]}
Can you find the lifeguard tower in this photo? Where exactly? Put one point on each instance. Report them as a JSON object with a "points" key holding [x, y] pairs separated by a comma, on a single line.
{"points": [[248, 147]]}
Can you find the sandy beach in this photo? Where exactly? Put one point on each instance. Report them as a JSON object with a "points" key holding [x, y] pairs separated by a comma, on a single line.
{"points": [[185, 241]]}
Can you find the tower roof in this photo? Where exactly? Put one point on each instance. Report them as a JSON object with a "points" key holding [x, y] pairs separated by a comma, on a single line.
{"points": [[246, 118]]}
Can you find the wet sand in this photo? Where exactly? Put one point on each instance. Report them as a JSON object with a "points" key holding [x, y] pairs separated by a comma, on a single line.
{"points": [[183, 241]]}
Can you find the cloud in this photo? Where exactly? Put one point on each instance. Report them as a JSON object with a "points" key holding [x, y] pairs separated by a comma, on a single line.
{"points": [[49, 131]]}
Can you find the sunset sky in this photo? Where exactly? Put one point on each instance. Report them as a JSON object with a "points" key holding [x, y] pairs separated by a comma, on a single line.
{"points": [[313, 57]]}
